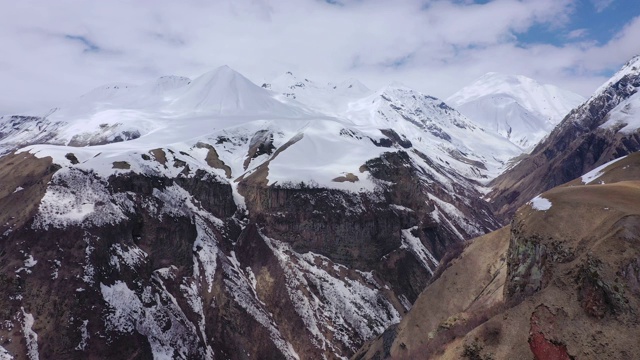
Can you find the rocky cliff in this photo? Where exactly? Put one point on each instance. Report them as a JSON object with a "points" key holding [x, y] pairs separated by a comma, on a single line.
{"points": [[561, 282]]}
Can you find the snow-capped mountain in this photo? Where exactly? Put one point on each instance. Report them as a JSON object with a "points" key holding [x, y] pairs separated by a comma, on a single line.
{"points": [[214, 218], [605, 127], [514, 106], [435, 128], [226, 92]]}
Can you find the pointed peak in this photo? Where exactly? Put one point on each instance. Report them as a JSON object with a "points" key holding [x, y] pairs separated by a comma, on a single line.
{"points": [[223, 76], [224, 91], [224, 69], [394, 86], [635, 61], [352, 84], [630, 68]]}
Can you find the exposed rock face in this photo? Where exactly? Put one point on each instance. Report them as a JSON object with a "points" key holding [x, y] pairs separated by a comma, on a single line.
{"points": [[568, 288], [169, 263], [543, 323], [579, 144]]}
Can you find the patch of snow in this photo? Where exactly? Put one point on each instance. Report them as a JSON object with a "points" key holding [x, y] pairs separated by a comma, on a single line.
{"points": [[84, 333], [239, 287], [4, 354], [179, 202], [19, 188], [625, 117], [405, 302], [539, 203], [400, 208], [454, 216], [132, 256], [56, 267], [599, 171], [78, 198], [127, 314], [194, 299], [167, 273], [30, 336], [29, 262], [415, 246], [205, 252], [88, 269], [344, 306]]}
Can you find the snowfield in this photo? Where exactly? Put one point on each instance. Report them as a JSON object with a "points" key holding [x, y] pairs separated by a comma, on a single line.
{"points": [[312, 141]]}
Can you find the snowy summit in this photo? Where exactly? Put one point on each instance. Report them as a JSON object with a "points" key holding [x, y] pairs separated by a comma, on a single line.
{"points": [[516, 107]]}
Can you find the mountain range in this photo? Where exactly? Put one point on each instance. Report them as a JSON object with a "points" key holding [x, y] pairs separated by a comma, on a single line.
{"points": [[214, 218]]}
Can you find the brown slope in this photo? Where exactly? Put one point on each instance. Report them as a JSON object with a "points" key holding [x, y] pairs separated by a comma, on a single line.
{"points": [[472, 283], [571, 289], [575, 147]]}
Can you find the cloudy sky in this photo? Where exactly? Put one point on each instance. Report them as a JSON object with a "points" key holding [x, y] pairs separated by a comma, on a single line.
{"points": [[56, 50]]}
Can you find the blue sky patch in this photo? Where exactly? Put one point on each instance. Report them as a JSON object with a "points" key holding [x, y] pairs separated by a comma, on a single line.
{"points": [[89, 46], [587, 23]]}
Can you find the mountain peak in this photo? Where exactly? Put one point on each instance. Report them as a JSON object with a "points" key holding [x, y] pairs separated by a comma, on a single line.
{"points": [[514, 106], [226, 91], [222, 75], [630, 68], [504, 81], [352, 85]]}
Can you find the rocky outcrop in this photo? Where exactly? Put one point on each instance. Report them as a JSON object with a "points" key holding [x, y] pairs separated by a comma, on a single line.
{"points": [[543, 323]]}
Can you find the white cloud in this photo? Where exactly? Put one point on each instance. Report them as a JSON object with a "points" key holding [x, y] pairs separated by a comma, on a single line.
{"points": [[600, 5], [55, 51], [577, 34]]}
